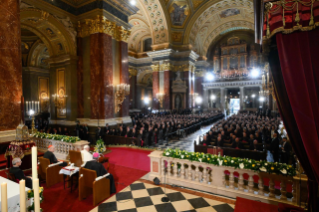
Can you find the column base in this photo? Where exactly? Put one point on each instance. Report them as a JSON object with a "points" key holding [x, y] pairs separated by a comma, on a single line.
{"points": [[7, 135]]}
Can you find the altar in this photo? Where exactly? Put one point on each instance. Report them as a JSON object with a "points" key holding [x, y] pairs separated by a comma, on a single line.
{"points": [[13, 195]]}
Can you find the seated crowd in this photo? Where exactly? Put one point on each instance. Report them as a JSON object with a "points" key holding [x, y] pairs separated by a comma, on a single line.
{"points": [[150, 129], [247, 131]]}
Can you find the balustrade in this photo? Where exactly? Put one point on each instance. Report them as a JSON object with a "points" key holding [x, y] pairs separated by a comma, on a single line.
{"points": [[212, 178]]}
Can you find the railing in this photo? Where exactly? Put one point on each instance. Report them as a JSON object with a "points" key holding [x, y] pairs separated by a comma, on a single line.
{"points": [[61, 148], [225, 180]]}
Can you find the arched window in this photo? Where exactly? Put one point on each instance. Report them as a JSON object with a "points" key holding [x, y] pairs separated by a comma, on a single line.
{"points": [[147, 45]]}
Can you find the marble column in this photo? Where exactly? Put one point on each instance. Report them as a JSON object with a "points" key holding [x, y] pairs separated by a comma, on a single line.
{"points": [[205, 99], [155, 103], [124, 75], [187, 79], [101, 74], [167, 90], [10, 68], [222, 99], [241, 97], [199, 86], [133, 97], [80, 103]]}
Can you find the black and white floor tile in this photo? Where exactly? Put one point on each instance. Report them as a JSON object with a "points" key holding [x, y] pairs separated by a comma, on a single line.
{"points": [[144, 197]]}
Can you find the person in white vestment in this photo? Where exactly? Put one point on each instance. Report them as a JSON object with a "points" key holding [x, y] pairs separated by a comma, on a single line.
{"points": [[86, 155]]}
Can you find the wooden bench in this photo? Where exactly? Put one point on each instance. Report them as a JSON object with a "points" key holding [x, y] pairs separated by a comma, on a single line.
{"points": [[49, 173], [88, 185]]}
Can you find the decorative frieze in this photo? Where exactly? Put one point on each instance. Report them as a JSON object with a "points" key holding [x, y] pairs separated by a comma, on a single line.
{"points": [[132, 72], [247, 83]]}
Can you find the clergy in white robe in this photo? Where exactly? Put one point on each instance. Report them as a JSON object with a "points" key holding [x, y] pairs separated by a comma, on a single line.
{"points": [[86, 155]]}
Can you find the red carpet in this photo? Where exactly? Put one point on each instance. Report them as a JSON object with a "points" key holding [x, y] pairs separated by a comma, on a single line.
{"points": [[128, 157], [246, 205]]}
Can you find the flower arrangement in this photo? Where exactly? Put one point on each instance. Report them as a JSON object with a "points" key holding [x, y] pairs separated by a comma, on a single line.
{"points": [[64, 138], [31, 198], [99, 147], [240, 163]]}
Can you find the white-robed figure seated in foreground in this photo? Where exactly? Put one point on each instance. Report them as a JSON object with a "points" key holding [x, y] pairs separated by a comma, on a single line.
{"points": [[100, 170], [86, 155]]}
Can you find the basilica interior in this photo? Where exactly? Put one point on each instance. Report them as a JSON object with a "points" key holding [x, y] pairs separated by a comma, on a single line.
{"points": [[183, 105]]}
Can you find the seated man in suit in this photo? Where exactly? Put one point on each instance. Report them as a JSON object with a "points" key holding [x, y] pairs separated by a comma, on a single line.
{"points": [[49, 155], [237, 144], [100, 170], [18, 173], [86, 155], [255, 147]]}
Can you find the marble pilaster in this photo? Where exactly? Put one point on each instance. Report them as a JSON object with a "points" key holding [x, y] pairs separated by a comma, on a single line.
{"points": [[155, 104], [80, 103], [241, 98], [133, 96], [205, 99], [101, 74], [187, 79], [199, 86], [167, 90], [124, 75], [10, 68]]}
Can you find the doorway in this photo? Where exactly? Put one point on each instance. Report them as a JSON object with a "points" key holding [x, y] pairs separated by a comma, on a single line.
{"points": [[234, 105]]}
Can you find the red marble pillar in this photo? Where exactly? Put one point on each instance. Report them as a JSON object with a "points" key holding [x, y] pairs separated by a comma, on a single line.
{"points": [[10, 65], [124, 76], [187, 78], [155, 104], [133, 95], [167, 90], [80, 103], [101, 65], [199, 86]]}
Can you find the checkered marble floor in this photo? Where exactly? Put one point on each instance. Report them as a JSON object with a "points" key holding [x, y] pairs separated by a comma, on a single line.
{"points": [[145, 197]]}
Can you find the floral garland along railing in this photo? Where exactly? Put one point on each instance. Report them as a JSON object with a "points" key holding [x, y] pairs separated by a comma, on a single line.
{"points": [[240, 163], [274, 7], [64, 138]]}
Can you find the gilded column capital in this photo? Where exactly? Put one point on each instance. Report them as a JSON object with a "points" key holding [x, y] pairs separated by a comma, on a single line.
{"points": [[184, 67], [199, 73], [165, 67], [132, 71], [98, 25], [121, 34], [155, 67]]}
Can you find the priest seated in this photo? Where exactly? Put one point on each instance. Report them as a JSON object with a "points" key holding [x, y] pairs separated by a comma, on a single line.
{"points": [[100, 170], [50, 155], [18, 173], [86, 155]]}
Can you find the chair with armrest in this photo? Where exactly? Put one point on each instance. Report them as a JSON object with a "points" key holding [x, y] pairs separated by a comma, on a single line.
{"points": [[76, 158], [11, 177], [88, 184], [49, 173]]}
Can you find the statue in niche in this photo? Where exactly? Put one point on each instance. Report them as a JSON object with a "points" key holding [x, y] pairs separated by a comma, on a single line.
{"points": [[177, 102], [178, 75]]}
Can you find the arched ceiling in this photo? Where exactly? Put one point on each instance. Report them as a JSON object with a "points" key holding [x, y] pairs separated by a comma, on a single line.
{"points": [[149, 22], [213, 18]]}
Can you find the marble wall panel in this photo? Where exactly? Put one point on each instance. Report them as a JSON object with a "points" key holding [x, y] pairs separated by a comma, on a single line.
{"points": [[133, 95], [10, 65], [155, 89], [187, 78], [80, 103]]}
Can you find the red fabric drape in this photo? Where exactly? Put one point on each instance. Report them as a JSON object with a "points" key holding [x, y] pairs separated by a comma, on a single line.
{"points": [[296, 82]]}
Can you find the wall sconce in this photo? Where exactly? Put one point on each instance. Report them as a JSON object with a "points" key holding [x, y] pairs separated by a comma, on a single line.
{"points": [[160, 97], [121, 90], [59, 100]]}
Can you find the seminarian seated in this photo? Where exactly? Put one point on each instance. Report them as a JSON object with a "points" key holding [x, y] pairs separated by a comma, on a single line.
{"points": [[86, 155], [18, 173], [49, 155], [100, 170]]}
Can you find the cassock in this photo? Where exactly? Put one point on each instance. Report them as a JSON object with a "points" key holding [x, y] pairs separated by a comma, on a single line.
{"points": [[100, 171], [49, 155], [86, 156], [18, 174]]}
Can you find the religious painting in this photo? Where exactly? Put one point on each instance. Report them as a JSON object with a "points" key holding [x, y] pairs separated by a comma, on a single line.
{"points": [[179, 11], [229, 12], [177, 36], [60, 101]]}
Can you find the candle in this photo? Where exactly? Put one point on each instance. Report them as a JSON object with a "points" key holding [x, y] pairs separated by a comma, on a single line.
{"points": [[34, 163], [22, 196], [26, 106], [38, 106], [36, 195], [32, 105], [4, 200]]}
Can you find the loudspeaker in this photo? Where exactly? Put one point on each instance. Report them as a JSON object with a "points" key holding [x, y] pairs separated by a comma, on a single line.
{"points": [[156, 181]]}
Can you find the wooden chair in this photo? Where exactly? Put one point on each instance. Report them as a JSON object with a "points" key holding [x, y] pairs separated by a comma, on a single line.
{"points": [[88, 185], [76, 158], [11, 177], [49, 174]]}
